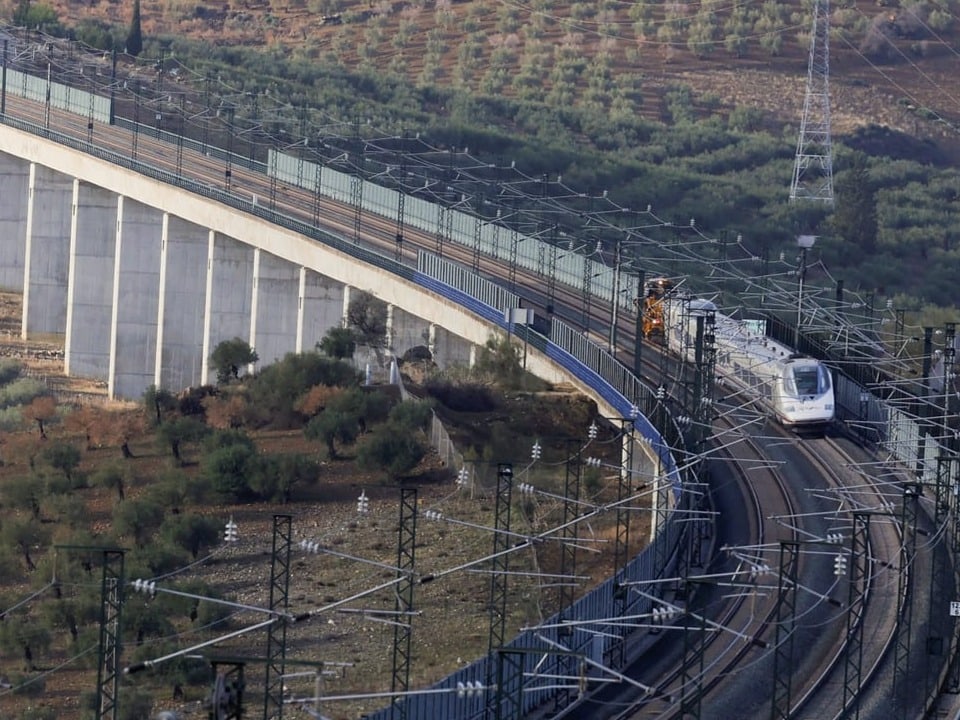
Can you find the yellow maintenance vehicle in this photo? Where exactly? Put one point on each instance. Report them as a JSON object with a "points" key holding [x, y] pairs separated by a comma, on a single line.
{"points": [[653, 307]]}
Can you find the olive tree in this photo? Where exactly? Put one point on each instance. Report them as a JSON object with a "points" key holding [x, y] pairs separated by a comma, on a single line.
{"points": [[229, 356]]}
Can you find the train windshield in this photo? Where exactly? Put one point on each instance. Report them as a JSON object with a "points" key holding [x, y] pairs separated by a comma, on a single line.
{"points": [[810, 380]]}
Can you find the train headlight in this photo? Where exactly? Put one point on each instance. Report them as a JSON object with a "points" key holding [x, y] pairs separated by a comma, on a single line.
{"points": [[828, 406], [790, 408]]}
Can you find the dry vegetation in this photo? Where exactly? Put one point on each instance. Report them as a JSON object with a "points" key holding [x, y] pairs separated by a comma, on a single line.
{"points": [[452, 624]]}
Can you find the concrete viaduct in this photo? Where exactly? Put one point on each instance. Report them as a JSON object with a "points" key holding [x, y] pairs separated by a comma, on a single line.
{"points": [[142, 279]]}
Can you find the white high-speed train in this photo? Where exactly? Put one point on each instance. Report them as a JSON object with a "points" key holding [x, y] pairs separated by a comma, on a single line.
{"points": [[797, 390]]}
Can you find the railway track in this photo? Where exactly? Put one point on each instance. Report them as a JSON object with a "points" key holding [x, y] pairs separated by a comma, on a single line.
{"points": [[733, 656], [872, 604], [730, 591]]}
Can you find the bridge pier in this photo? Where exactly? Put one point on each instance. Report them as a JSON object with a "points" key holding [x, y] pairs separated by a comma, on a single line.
{"points": [[14, 190], [136, 299], [276, 297], [229, 295], [182, 301], [93, 244], [47, 253], [321, 308]]}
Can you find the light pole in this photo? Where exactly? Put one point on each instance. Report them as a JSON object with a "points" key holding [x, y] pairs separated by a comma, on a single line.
{"points": [[3, 81], [615, 296], [805, 242]]}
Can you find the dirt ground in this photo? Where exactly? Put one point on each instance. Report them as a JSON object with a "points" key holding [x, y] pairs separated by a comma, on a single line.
{"points": [[42, 357], [451, 624]]}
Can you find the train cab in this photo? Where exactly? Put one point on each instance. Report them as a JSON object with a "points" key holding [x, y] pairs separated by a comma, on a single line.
{"points": [[805, 394]]}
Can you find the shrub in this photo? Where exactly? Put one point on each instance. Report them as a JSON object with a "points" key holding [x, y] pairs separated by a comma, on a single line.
{"points": [[20, 392], [463, 397], [394, 449], [111, 477], [212, 615], [228, 470], [367, 318], [137, 519], [368, 405], [191, 401], [414, 414], [9, 371], [332, 427], [96, 34], [193, 533], [134, 704], [279, 474], [275, 390], [228, 438], [161, 558], [65, 510], [172, 489], [62, 457], [339, 343], [158, 402], [178, 431], [11, 419]]}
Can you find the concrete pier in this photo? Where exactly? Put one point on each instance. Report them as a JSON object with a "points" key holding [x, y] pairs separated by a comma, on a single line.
{"points": [[136, 299], [321, 308], [14, 193], [182, 303], [273, 332], [229, 295], [93, 243], [47, 252]]}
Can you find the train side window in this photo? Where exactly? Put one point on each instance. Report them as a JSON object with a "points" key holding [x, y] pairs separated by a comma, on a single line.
{"points": [[826, 382]]}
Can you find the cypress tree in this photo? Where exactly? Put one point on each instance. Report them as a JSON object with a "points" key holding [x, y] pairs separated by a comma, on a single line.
{"points": [[855, 214], [135, 36], [21, 16]]}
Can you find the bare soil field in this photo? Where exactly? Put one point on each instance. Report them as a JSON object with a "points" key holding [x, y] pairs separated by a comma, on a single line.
{"points": [[451, 624]]}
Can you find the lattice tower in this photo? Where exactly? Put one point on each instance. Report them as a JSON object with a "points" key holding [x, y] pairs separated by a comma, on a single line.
{"points": [[813, 166]]}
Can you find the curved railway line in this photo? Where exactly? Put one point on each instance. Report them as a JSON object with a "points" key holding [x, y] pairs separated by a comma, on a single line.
{"points": [[762, 487], [741, 590]]}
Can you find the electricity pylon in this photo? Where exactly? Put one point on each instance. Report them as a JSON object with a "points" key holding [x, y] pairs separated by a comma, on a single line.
{"points": [[813, 165]]}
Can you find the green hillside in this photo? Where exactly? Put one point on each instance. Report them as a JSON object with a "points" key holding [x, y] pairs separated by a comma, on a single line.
{"points": [[690, 109]]}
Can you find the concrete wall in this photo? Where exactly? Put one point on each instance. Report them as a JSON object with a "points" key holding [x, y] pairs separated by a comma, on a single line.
{"points": [[136, 299], [14, 193], [181, 304], [321, 308], [229, 295], [93, 244], [273, 332], [405, 330], [47, 254], [451, 347]]}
